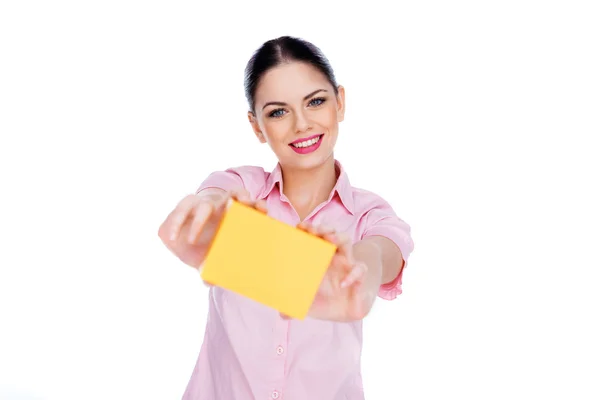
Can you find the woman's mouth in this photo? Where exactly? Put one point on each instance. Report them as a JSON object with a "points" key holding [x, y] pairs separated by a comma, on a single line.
{"points": [[307, 145]]}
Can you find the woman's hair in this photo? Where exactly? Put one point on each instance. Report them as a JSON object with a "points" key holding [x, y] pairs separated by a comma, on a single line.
{"points": [[282, 50]]}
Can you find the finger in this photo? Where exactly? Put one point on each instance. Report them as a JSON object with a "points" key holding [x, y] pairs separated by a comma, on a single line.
{"points": [[179, 215], [357, 274], [241, 195], [312, 229], [202, 213], [323, 230], [340, 239], [345, 248], [343, 243], [261, 206], [342, 260], [303, 226], [283, 316], [319, 230], [206, 283]]}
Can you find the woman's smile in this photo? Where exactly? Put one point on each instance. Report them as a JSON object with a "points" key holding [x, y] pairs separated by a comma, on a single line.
{"points": [[307, 145]]}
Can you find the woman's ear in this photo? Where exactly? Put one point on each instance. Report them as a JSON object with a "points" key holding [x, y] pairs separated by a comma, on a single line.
{"points": [[341, 103], [255, 127]]}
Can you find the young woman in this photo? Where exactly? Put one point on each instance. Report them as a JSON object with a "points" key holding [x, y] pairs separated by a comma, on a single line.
{"points": [[251, 351]]}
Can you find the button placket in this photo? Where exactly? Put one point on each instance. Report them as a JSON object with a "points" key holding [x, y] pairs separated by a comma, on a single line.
{"points": [[278, 357]]}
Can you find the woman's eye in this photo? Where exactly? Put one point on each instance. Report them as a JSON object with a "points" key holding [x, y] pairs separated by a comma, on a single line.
{"points": [[276, 113], [316, 102]]}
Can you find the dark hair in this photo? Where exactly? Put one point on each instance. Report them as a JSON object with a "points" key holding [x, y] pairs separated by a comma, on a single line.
{"points": [[284, 49]]}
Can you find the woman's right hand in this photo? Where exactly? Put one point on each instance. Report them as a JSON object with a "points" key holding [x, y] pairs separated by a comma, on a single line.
{"points": [[190, 228]]}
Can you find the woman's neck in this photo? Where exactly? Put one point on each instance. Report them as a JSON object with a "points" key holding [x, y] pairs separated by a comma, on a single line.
{"points": [[306, 189]]}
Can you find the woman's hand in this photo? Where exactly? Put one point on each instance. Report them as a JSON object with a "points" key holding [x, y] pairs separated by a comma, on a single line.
{"points": [[189, 229], [347, 290]]}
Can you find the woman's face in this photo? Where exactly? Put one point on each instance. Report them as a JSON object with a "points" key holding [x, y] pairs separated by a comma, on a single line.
{"points": [[297, 114]]}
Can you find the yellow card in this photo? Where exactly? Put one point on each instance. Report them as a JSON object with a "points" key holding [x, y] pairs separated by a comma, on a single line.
{"points": [[267, 260]]}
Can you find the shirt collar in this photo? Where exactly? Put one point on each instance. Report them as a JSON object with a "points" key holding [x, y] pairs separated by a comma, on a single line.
{"points": [[342, 187]]}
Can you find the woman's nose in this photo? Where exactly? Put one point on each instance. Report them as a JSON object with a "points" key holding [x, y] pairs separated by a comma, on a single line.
{"points": [[302, 123]]}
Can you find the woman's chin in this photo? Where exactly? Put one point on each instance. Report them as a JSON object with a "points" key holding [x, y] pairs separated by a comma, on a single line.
{"points": [[307, 161]]}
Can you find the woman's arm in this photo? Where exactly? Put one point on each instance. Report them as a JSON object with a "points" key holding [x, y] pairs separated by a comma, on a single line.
{"points": [[390, 256], [384, 262], [355, 275]]}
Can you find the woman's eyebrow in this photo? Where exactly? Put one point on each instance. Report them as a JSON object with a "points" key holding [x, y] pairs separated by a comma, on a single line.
{"points": [[313, 93], [279, 103]]}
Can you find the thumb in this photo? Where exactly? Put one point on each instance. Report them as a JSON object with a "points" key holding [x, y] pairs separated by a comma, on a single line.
{"points": [[241, 195], [207, 284], [357, 274]]}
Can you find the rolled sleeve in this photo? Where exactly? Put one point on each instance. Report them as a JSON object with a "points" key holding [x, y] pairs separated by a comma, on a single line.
{"points": [[382, 221]]}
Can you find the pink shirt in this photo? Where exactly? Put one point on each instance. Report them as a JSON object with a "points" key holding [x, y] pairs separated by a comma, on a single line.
{"points": [[249, 352]]}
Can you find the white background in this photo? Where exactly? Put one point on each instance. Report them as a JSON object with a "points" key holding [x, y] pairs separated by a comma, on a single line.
{"points": [[476, 120]]}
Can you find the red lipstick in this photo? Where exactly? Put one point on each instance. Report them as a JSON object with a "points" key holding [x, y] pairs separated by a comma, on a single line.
{"points": [[307, 149]]}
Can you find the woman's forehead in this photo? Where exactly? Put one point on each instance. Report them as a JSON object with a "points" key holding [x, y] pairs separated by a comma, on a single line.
{"points": [[290, 81]]}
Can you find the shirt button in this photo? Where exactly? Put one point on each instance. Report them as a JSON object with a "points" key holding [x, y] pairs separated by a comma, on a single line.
{"points": [[275, 394], [279, 350]]}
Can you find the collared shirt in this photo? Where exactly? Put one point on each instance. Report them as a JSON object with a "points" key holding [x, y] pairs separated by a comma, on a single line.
{"points": [[249, 352]]}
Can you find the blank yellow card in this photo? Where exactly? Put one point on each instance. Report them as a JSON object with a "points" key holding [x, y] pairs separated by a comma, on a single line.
{"points": [[267, 260]]}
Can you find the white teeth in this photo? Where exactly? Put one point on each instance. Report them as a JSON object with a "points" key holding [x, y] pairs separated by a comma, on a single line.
{"points": [[306, 143]]}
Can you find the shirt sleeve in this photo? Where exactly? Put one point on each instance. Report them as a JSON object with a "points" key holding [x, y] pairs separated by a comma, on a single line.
{"points": [[251, 178], [226, 180], [383, 221]]}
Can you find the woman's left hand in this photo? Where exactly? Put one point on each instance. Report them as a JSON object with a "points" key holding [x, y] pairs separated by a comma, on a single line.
{"points": [[343, 294]]}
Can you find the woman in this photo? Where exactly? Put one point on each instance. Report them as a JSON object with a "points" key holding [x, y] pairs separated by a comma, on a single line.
{"points": [[251, 351]]}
